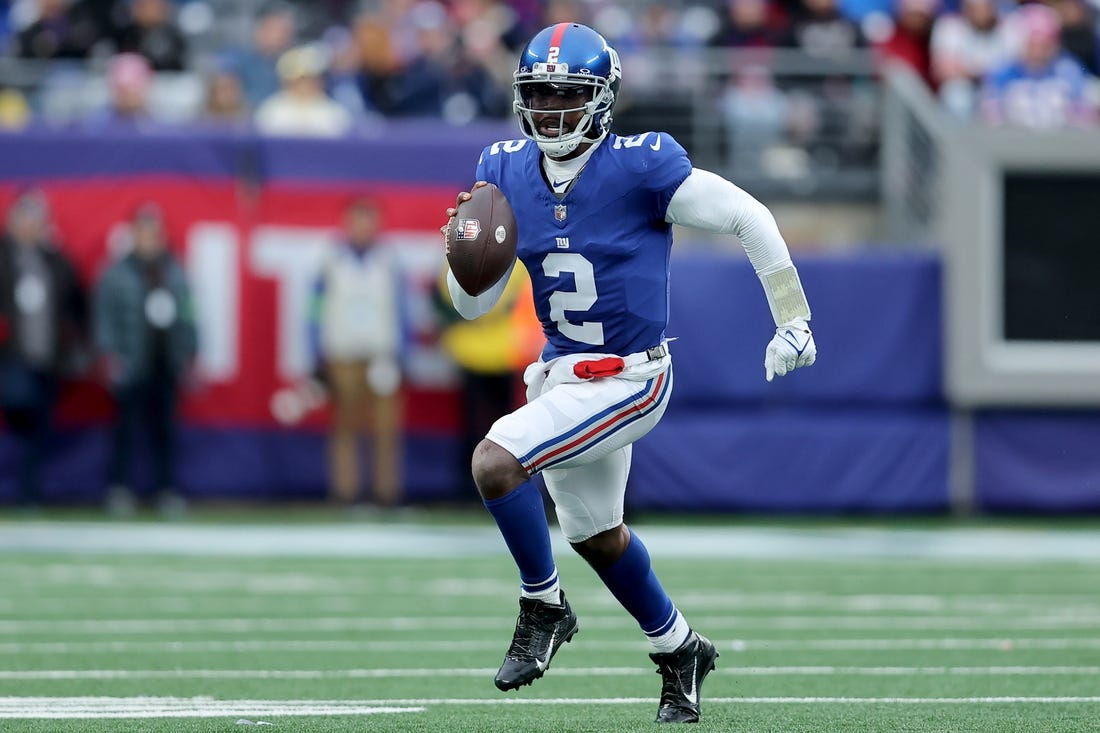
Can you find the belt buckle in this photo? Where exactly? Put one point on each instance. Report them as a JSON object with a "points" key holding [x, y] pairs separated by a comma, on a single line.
{"points": [[653, 353]]}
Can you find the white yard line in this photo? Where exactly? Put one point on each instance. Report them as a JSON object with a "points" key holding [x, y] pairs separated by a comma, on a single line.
{"points": [[200, 707], [177, 626], [1005, 644], [443, 646], [247, 625], [401, 673], [96, 578], [352, 599], [429, 541], [160, 707], [876, 602]]}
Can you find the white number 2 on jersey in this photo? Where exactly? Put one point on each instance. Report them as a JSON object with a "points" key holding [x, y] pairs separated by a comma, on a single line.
{"points": [[581, 299]]}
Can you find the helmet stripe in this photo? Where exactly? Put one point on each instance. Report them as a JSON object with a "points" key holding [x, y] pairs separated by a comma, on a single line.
{"points": [[559, 33]]}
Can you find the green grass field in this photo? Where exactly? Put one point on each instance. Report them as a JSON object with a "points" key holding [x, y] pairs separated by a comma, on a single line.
{"points": [[406, 633]]}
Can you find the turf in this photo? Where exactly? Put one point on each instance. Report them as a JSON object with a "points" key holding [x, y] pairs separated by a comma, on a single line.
{"points": [[813, 644]]}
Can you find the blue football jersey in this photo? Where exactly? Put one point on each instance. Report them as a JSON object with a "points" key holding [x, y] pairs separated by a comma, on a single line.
{"points": [[598, 258]]}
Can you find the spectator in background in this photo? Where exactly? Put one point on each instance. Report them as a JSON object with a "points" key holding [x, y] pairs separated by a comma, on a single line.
{"points": [[471, 90], [15, 113], [750, 24], [422, 82], [820, 30], [489, 22], [151, 31], [377, 77], [756, 115], [491, 354], [565, 11], [62, 30], [5, 27], [831, 107], [145, 334], [489, 35], [43, 314], [302, 108], [443, 79], [528, 17], [343, 70], [657, 26], [272, 36], [357, 332], [225, 104], [129, 81], [1080, 32], [867, 12], [965, 47], [1045, 88], [907, 38]]}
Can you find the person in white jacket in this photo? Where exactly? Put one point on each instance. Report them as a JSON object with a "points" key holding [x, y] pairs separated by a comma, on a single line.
{"points": [[302, 108]]}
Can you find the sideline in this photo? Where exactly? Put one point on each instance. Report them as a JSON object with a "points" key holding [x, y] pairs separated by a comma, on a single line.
{"points": [[454, 541]]}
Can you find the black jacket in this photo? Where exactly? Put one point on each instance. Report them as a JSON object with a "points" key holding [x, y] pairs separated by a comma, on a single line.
{"points": [[70, 308]]}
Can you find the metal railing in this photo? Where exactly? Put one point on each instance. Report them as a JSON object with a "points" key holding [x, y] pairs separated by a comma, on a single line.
{"points": [[915, 131], [778, 121]]}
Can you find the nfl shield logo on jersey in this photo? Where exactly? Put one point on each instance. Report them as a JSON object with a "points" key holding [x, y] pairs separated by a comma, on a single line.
{"points": [[559, 212]]}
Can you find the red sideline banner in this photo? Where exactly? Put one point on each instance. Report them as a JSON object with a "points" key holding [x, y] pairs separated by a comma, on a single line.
{"points": [[252, 254]]}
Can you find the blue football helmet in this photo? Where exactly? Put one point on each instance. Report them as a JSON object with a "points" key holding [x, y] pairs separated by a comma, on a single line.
{"points": [[566, 59]]}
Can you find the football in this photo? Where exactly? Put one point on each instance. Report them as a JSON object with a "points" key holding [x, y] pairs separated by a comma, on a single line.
{"points": [[481, 240]]}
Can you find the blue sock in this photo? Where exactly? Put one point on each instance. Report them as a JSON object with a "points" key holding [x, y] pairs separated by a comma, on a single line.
{"points": [[522, 521], [634, 584]]}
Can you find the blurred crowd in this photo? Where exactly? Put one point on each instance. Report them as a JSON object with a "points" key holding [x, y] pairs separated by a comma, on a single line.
{"points": [[327, 68], [129, 331]]}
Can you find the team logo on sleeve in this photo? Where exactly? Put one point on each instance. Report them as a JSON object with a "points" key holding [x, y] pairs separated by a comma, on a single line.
{"points": [[560, 212], [468, 229]]}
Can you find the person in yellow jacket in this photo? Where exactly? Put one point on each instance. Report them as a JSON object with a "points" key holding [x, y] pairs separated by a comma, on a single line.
{"points": [[491, 354]]}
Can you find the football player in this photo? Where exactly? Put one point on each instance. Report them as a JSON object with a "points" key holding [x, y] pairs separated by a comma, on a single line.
{"points": [[594, 213]]}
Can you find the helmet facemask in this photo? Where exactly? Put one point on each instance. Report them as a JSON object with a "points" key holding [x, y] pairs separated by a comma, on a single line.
{"points": [[546, 79]]}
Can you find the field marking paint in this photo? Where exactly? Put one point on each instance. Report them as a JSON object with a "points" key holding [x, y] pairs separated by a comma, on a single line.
{"points": [[99, 577], [997, 545], [353, 599], [161, 707], [139, 580], [878, 602], [178, 625], [248, 625], [948, 644], [751, 700], [200, 707], [423, 645], [759, 671]]}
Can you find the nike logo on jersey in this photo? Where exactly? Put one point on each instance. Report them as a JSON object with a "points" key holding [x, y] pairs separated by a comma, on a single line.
{"points": [[560, 184], [542, 664], [657, 145], [693, 694]]}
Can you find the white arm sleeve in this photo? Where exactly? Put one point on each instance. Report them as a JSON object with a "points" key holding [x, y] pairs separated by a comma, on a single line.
{"points": [[475, 306], [707, 201]]}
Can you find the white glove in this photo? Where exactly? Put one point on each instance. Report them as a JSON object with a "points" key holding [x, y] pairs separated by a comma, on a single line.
{"points": [[791, 347]]}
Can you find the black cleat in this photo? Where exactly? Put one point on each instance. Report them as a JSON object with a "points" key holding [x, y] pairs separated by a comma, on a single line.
{"points": [[683, 672], [540, 629]]}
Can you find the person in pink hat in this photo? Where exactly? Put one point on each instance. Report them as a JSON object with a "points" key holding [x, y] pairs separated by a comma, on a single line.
{"points": [[1043, 87]]}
